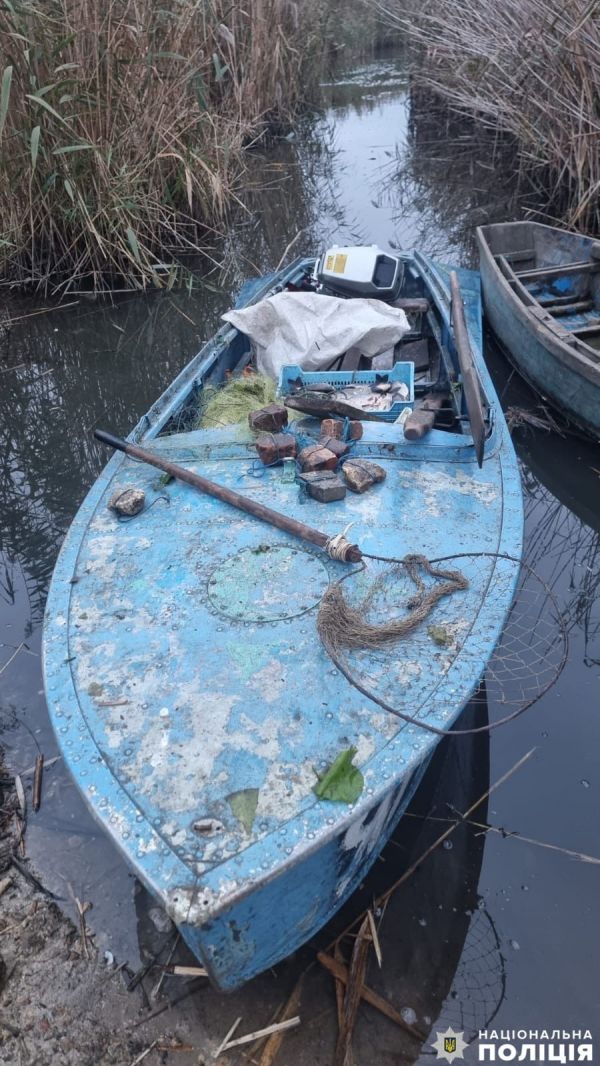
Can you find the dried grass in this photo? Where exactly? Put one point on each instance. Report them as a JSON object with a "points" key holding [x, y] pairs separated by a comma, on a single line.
{"points": [[527, 68], [123, 125]]}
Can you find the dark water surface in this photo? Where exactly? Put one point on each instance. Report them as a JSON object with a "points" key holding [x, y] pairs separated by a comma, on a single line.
{"points": [[493, 926]]}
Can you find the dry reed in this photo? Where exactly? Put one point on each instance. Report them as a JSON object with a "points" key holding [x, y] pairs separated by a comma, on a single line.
{"points": [[528, 68], [123, 125]]}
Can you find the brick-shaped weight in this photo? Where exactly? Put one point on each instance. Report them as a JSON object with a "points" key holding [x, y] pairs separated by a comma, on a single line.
{"points": [[272, 447], [317, 458], [324, 485], [269, 419], [338, 447], [334, 427], [360, 474]]}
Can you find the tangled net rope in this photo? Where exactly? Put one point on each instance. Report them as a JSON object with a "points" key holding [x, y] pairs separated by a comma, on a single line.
{"points": [[528, 658], [341, 625]]}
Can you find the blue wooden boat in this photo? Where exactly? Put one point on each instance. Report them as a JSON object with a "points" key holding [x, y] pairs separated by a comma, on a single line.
{"points": [[184, 676], [541, 289]]}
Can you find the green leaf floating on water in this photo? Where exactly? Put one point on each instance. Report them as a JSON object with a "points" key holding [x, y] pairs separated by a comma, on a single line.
{"points": [[342, 782], [243, 806]]}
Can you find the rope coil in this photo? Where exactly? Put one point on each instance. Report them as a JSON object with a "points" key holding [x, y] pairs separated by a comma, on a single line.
{"points": [[337, 548]]}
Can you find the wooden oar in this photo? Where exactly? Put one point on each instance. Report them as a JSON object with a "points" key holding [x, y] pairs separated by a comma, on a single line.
{"points": [[351, 553], [470, 381]]}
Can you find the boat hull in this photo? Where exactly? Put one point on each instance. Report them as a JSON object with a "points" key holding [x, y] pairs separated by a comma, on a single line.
{"points": [[567, 380], [273, 921], [182, 665]]}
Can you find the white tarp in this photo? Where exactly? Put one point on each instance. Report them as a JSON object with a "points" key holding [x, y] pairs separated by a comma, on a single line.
{"points": [[313, 330]]}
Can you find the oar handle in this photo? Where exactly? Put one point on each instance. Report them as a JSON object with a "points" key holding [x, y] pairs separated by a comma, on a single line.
{"points": [[109, 438]]}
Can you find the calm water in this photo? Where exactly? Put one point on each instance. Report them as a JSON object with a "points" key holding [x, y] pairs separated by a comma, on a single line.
{"points": [[495, 926]]}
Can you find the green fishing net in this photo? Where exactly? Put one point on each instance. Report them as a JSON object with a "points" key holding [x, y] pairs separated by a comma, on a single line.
{"points": [[230, 404]]}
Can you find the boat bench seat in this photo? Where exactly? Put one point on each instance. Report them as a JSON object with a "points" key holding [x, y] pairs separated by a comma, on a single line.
{"points": [[577, 307], [591, 329], [517, 257], [583, 266], [568, 336], [554, 303]]}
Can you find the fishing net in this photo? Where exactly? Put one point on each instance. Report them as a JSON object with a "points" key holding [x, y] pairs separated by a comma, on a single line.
{"points": [[367, 638], [479, 983], [231, 403], [340, 624], [532, 649], [225, 404]]}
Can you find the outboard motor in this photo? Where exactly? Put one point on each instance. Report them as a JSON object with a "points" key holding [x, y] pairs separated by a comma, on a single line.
{"points": [[359, 271]]}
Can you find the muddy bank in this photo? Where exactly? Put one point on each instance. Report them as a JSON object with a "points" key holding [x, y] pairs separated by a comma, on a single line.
{"points": [[58, 1006], [62, 999]]}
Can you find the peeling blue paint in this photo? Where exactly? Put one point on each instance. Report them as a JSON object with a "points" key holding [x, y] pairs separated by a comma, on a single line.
{"points": [[184, 664]]}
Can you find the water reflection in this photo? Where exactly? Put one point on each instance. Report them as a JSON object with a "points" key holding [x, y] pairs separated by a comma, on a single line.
{"points": [[442, 956], [447, 179], [62, 374], [562, 511]]}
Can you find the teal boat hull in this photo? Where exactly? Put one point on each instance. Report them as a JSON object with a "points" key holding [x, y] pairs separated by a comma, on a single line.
{"points": [[546, 351]]}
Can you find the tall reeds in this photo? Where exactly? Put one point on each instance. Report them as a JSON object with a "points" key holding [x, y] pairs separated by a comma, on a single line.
{"points": [[123, 125], [526, 68]]}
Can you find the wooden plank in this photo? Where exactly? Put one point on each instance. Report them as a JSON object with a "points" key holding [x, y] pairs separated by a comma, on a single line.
{"points": [[37, 782], [416, 304], [354, 987], [275, 1040], [585, 266], [576, 308], [555, 301], [340, 972], [517, 257], [470, 380], [587, 331]]}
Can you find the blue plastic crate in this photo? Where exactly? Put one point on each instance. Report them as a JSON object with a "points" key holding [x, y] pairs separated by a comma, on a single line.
{"points": [[404, 372]]}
